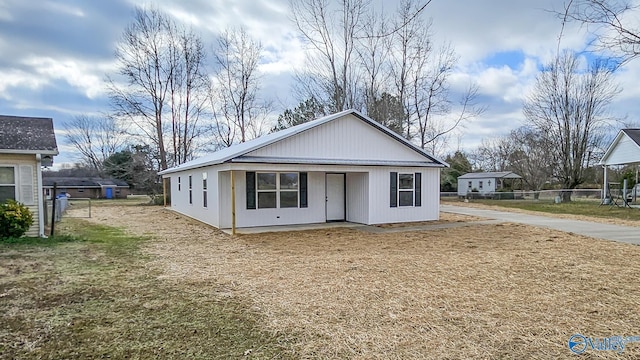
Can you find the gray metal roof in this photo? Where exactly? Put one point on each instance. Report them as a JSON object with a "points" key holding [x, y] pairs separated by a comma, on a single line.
{"points": [[491, 175], [237, 150], [27, 135]]}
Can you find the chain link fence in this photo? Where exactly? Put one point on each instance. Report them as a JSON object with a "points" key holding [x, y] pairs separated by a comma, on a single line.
{"points": [[67, 207], [542, 195]]}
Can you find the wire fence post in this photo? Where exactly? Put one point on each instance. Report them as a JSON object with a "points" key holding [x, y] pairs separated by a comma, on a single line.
{"points": [[53, 208]]}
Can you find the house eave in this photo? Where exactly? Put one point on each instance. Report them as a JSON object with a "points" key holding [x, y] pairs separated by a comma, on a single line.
{"points": [[346, 162], [28, 152]]}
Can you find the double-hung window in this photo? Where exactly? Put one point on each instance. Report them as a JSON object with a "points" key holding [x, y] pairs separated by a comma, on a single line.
{"points": [[204, 189], [7, 183], [405, 189], [277, 190], [190, 190]]}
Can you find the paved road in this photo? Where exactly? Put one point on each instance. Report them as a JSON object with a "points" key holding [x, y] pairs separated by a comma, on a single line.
{"points": [[627, 234]]}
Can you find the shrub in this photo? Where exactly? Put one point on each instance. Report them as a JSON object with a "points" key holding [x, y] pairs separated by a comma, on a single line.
{"points": [[15, 219]]}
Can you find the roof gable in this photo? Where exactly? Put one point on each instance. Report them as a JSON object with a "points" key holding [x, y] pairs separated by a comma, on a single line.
{"points": [[266, 146], [27, 135], [345, 138], [624, 149]]}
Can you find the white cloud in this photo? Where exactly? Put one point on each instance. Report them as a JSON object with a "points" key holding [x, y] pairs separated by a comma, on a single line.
{"points": [[85, 76]]}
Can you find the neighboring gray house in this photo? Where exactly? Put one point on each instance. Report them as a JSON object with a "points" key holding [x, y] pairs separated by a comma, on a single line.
{"points": [[624, 150], [485, 182], [26, 144], [342, 167]]}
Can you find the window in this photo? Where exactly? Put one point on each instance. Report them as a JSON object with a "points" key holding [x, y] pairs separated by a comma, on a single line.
{"points": [[190, 190], [405, 189], [480, 184], [289, 190], [7, 183], [277, 190], [204, 189], [179, 185], [469, 185]]}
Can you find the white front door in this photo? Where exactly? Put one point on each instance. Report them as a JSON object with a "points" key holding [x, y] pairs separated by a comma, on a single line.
{"points": [[335, 197]]}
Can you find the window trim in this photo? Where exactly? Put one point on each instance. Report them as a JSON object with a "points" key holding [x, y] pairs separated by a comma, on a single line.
{"points": [[278, 190], [190, 190], [15, 180], [204, 190], [412, 190]]}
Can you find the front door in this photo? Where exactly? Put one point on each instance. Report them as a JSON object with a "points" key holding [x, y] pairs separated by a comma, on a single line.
{"points": [[335, 197], [109, 193]]}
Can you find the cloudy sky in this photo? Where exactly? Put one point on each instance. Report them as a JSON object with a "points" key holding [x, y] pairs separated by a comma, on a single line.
{"points": [[56, 53]]}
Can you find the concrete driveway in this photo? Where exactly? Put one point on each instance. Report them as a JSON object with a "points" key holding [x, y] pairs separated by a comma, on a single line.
{"points": [[627, 234]]}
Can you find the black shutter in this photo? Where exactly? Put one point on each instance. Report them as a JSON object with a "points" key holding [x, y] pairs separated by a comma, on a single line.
{"points": [[418, 193], [303, 190], [251, 190], [393, 194]]}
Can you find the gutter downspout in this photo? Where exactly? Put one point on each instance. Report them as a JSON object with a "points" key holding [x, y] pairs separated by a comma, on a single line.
{"points": [[40, 196]]}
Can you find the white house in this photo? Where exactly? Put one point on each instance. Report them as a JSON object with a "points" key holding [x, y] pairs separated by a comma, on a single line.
{"points": [[484, 182], [624, 150], [342, 167], [26, 144]]}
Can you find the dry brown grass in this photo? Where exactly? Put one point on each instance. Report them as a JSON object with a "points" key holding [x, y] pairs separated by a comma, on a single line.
{"points": [[484, 292]]}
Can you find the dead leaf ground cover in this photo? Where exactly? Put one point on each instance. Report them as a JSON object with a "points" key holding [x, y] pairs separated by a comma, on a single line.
{"points": [[486, 291]]}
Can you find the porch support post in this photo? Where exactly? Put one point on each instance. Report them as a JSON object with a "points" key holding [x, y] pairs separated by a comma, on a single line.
{"points": [[605, 186], [164, 191], [233, 203]]}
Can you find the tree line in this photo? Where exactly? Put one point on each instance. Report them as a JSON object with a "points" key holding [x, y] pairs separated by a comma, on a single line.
{"points": [[175, 96]]}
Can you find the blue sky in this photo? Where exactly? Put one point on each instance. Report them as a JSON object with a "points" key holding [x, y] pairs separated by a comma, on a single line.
{"points": [[56, 53]]}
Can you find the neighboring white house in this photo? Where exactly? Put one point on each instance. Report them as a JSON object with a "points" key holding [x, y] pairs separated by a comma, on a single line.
{"points": [[342, 167], [484, 182], [624, 150], [25, 145]]}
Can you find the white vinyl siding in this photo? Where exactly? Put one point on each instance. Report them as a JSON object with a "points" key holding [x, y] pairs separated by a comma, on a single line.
{"points": [[625, 151], [344, 145], [26, 189]]}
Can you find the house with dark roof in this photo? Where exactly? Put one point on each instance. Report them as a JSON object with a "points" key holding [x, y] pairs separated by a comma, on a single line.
{"points": [[86, 187], [26, 144], [623, 150], [485, 182], [342, 167]]}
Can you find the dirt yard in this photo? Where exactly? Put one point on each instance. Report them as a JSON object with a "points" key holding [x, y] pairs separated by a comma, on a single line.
{"points": [[485, 291]]}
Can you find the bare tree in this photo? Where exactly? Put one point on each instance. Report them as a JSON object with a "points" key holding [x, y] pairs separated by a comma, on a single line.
{"points": [[569, 105], [530, 157], [612, 22], [162, 79], [331, 34], [95, 139], [494, 154], [410, 44], [188, 88], [239, 113]]}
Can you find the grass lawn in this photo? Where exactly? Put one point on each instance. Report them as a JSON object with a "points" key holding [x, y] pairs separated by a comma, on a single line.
{"points": [[581, 208], [166, 286], [93, 295]]}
